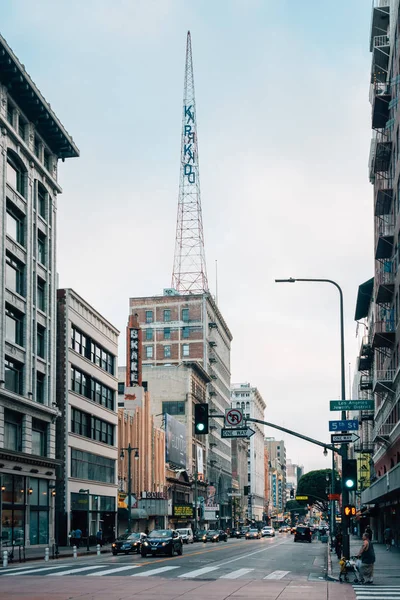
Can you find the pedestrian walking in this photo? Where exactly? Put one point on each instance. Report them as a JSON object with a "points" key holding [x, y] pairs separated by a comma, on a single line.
{"points": [[368, 530], [388, 537], [78, 537], [367, 556], [99, 537], [72, 537], [339, 544]]}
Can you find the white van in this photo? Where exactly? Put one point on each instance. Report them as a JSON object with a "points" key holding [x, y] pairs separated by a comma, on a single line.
{"points": [[186, 535]]}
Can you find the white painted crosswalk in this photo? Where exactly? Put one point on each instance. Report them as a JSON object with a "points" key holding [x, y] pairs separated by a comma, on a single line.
{"points": [[218, 571], [375, 592]]}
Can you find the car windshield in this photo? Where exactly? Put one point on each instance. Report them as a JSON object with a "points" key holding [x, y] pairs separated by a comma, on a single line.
{"points": [[182, 531], [160, 533], [267, 528], [212, 532], [253, 531], [302, 529], [134, 536]]}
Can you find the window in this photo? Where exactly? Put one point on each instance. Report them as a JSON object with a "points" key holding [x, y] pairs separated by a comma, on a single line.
{"points": [[10, 113], [173, 408], [15, 224], [41, 248], [79, 382], [92, 389], [13, 376], [15, 176], [40, 388], [185, 349], [40, 341], [12, 430], [79, 341], [167, 333], [80, 422], [102, 431], [167, 315], [46, 160], [14, 326], [185, 332], [40, 294], [39, 437], [41, 200], [100, 357], [36, 146], [185, 315], [21, 127], [167, 351], [149, 316], [85, 465], [149, 351], [149, 334], [14, 275], [121, 387]]}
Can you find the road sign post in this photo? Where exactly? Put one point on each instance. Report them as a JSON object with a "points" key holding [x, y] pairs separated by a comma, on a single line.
{"points": [[344, 438], [346, 425], [344, 405], [233, 417], [242, 432]]}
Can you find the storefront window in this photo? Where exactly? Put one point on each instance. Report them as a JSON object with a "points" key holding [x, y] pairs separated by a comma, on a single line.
{"points": [[13, 512], [39, 511]]}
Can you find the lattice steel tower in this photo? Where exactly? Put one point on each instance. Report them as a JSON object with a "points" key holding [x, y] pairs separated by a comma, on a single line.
{"points": [[189, 275]]}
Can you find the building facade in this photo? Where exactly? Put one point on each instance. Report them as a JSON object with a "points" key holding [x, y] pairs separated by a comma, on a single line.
{"points": [[378, 298], [240, 452], [32, 139], [87, 437], [277, 472], [190, 328], [250, 401]]}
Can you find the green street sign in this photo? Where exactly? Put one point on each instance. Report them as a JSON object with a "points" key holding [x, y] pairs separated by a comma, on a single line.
{"points": [[351, 405]]}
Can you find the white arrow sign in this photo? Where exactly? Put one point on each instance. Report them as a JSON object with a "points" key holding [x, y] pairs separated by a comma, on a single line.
{"points": [[344, 438], [243, 432]]}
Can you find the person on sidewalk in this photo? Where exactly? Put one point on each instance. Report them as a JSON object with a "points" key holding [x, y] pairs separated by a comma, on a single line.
{"points": [[72, 538], [339, 544], [78, 537], [368, 530], [367, 556], [99, 537], [388, 537]]}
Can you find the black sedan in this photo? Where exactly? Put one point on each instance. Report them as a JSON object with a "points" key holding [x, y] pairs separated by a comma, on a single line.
{"points": [[253, 534], [162, 541], [215, 535], [198, 535], [128, 542]]}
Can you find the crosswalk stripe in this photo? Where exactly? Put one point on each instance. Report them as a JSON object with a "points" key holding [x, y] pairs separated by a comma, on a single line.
{"points": [[70, 571], [18, 572], [199, 572], [236, 574], [154, 572], [110, 571], [378, 597], [277, 575]]}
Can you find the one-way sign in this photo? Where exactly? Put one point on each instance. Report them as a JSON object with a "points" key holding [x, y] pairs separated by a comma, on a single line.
{"points": [[344, 438], [242, 432]]}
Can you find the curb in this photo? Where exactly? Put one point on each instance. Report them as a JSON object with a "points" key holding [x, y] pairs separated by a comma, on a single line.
{"points": [[60, 556], [329, 576]]}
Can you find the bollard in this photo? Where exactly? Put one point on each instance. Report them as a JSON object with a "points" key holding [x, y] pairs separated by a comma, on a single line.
{"points": [[74, 552], [46, 554], [98, 549], [5, 558]]}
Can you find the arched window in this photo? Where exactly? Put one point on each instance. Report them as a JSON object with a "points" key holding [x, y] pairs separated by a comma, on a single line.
{"points": [[16, 173]]}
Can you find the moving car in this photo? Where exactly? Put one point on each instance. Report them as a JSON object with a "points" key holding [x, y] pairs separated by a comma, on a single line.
{"points": [[198, 535], [268, 532], [237, 533], [215, 535], [162, 541], [303, 534], [128, 542], [253, 534], [186, 535]]}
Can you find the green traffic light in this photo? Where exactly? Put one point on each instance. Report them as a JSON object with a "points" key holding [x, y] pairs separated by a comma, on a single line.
{"points": [[349, 483], [200, 427]]}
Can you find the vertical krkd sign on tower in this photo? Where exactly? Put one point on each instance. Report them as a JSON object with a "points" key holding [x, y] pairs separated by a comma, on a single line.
{"points": [[134, 352]]}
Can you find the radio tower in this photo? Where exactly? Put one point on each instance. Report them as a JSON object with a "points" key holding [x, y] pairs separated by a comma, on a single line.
{"points": [[189, 275]]}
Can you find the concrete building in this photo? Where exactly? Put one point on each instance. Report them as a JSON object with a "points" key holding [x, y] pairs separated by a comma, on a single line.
{"points": [[277, 465], [293, 474], [190, 328], [240, 451], [250, 401], [87, 444], [378, 298], [32, 140]]}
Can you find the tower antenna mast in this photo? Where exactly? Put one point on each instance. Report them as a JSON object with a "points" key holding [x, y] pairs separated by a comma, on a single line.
{"points": [[189, 273]]}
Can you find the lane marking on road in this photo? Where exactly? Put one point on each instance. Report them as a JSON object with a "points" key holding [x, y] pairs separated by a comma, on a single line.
{"points": [[277, 575], [154, 572], [236, 574], [80, 570], [227, 562], [41, 569], [198, 572], [110, 571]]}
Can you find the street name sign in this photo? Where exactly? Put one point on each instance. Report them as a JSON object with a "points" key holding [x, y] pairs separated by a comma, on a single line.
{"points": [[301, 497], [344, 438], [242, 432], [233, 417], [352, 405], [350, 425]]}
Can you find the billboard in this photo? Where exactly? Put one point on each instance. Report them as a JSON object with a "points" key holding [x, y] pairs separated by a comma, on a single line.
{"points": [[200, 464], [175, 442]]}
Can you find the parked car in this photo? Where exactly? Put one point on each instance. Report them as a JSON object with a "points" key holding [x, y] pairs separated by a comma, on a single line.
{"points": [[186, 535], [128, 542], [253, 534], [303, 534], [268, 532], [162, 541], [215, 535], [198, 535]]}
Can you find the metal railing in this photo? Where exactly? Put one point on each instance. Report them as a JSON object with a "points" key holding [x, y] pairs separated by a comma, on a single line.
{"points": [[381, 3], [385, 274], [384, 375], [381, 41], [383, 430], [386, 326]]}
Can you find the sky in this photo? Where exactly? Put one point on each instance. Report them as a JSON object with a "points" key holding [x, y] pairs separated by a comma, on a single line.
{"points": [[284, 129]]}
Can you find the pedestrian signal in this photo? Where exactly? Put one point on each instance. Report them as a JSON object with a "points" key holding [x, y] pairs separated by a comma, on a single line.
{"points": [[350, 510]]}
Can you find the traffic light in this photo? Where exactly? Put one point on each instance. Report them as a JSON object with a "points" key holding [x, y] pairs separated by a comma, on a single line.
{"points": [[201, 419], [349, 474], [292, 493], [350, 510]]}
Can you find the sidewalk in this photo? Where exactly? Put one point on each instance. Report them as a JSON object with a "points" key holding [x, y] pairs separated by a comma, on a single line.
{"points": [[387, 565], [38, 553]]}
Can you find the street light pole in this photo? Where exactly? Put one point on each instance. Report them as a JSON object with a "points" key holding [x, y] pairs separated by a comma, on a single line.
{"points": [[129, 450], [343, 450]]}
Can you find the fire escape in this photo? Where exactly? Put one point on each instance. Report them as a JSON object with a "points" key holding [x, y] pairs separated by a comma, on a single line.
{"points": [[366, 417]]}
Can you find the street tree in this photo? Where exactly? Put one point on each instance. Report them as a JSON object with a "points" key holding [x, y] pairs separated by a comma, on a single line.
{"points": [[316, 486]]}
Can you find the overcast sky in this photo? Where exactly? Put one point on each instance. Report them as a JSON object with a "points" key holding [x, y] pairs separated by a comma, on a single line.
{"points": [[284, 131]]}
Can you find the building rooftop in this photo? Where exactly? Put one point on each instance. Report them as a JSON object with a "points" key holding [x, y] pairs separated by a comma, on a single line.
{"points": [[33, 104]]}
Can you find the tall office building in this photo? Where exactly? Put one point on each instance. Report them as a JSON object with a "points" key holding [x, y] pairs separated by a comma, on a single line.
{"points": [[250, 401], [32, 140], [277, 472], [177, 328]]}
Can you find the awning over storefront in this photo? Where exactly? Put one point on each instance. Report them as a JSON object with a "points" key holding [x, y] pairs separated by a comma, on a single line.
{"points": [[136, 513]]}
